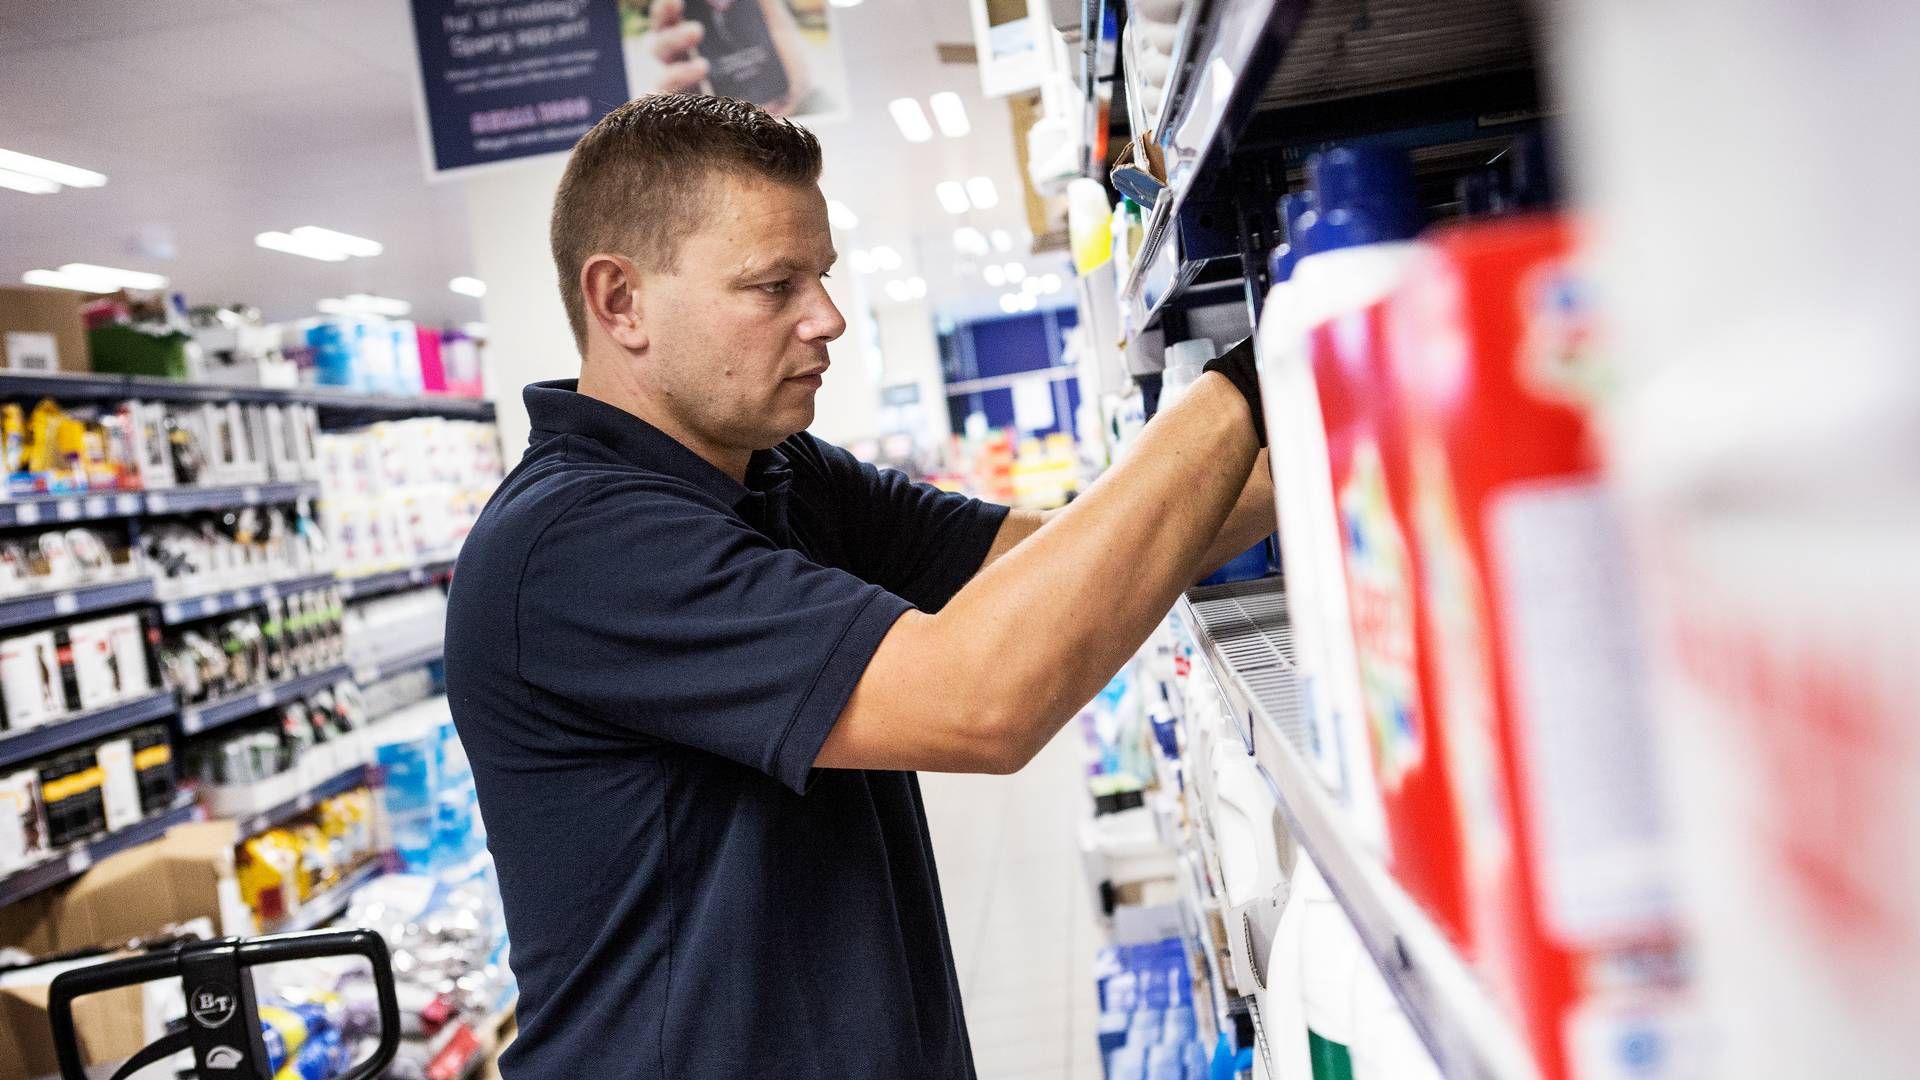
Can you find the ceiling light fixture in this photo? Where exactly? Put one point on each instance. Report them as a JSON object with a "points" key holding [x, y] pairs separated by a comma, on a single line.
{"points": [[917, 287], [862, 261], [32, 185], [994, 275], [845, 3], [911, 119], [885, 258], [1015, 272], [115, 277], [292, 245], [1001, 241], [54, 279], [841, 215], [1050, 284], [1028, 302], [968, 240], [1009, 303], [981, 190], [952, 196], [364, 304], [468, 286], [345, 243], [950, 113], [59, 173]]}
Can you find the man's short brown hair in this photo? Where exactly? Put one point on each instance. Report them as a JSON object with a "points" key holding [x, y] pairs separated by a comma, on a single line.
{"points": [[639, 181]]}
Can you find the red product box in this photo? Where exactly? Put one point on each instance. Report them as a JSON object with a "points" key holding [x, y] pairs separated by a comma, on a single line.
{"points": [[1530, 665]]}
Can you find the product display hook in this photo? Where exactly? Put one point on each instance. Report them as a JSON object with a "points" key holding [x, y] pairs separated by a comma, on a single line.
{"points": [[223, 1023]]}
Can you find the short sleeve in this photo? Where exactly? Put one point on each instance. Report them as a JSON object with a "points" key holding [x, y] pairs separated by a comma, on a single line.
{"points": [[671, 619], [919, 542]]}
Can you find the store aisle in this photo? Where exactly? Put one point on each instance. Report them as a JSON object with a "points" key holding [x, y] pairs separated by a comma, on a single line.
{"points": [[1021, 913]]}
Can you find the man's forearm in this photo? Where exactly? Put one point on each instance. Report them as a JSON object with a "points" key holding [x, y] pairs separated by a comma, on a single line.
{"points": [[1057, 614]]}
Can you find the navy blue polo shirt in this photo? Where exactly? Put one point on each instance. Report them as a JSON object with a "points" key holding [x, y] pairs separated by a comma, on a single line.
{"points": [[643, 658]]}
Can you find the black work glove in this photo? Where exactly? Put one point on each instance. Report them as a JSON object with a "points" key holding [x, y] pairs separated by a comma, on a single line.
{"points": [[1237, 365]]}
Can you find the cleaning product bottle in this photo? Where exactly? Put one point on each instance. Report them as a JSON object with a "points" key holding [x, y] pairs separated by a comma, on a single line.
{"points": [[1352, 247]]}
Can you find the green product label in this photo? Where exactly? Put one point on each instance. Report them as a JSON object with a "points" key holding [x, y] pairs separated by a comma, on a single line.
{"points": [[1331, 1060]]}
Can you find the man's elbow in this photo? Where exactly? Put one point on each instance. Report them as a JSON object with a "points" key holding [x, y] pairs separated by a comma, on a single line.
{"points": [[1015, 734]]}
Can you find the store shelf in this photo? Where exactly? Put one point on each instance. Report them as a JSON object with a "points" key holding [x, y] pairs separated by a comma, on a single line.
{"points": [[1242, 634], [328, 399], [77, 858], [78, 600], [186, 500], [195, 719], [394, 665], [358, 776], [30, 510], [320, 910], [1260, 73], [189, 608], [361, 586], [18, 746]]}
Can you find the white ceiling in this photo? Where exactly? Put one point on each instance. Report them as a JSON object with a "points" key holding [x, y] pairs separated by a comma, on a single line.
{"points": [[218, 119]]}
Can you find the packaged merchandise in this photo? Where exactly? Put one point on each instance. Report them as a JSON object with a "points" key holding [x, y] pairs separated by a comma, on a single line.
{"points": [[119, 784], [153, 768], [30, 680], [287, 636], [70, 792], [402, 492], [63, 559], [1760, 428], [1348, 248], [394, 625], [95, 664], [23, 821], [1530, 669]]}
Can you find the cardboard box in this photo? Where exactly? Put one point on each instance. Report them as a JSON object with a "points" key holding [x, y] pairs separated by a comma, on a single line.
{"points": [[184, 875], [27, 924], [41, 330], [110, 1026]]}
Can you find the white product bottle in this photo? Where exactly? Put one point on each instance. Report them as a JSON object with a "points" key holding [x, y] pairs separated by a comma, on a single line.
{"points": [[1352, 250]]}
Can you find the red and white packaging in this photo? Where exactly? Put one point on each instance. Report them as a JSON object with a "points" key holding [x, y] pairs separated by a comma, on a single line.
{"points": [[1531, 666], [1366, 455]]}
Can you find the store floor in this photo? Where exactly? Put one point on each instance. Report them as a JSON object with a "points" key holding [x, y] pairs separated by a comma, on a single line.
{"points": [[1021, 914]]}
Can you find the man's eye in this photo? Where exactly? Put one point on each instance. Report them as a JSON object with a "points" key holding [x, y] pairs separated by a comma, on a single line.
{"points": [[776, 288]]}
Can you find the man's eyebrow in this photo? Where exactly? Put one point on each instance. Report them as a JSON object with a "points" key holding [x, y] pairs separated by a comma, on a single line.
{"points": [[785, 264]]}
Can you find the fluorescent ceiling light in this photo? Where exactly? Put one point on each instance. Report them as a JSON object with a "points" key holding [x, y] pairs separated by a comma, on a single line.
{"points": [[885, 258], [468, 286], [898, 292], [845, 3], [1028, 302], [59, 173], [1015, 271], [969, 241], [1009, 303], [293, 245], [1001, 241], [862, 261], [32, 185], [953, 197], [364, 304], [917, 286], [913, 122], [981, 191], [1050, 284], [950, 114], [113, 277], [345, 243], [994, 275], [841, 215], [54, 279]]}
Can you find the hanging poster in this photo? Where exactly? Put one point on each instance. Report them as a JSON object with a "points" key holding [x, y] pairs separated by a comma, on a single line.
{"points": [[781, 55]]}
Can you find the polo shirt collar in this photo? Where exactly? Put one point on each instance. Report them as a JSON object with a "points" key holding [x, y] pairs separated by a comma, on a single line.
{"points": [[557, 407]]}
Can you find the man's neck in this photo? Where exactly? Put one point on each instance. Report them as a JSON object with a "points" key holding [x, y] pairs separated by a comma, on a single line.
{"points": [[604, 382]]}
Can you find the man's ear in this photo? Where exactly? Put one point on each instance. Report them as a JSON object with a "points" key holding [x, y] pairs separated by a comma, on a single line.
{"points": [[610, 287]]}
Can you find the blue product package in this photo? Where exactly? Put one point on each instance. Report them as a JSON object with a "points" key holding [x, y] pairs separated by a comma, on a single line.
{"points": [[1256, 562], [1164, 1062], [407, 798], [332, 353]]}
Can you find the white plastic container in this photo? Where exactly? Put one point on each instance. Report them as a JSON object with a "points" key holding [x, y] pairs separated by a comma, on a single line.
{"points": [[1355, 254]]}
